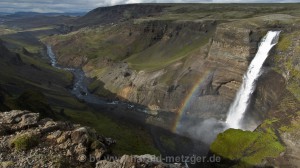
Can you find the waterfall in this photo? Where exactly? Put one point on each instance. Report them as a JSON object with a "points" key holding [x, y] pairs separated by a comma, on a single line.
{"points": [[242, 99]]}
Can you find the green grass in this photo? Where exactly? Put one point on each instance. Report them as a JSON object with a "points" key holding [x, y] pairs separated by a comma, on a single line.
{"points": [[245, 147], [168, 142], [93, 43], [27, 38], [7, 164], [163, 53], [284, 43], [66, 100], [97, 88], [293, 127], [29, 47], [39, 28], [141, 50], [42, 64], [5, 30], [33, 79], [130, 139], [289, 63], [294, 78], [225, 11], [24, 142]]}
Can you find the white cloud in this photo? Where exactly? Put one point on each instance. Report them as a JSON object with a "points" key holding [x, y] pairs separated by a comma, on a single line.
{"points": [[86, 5]]}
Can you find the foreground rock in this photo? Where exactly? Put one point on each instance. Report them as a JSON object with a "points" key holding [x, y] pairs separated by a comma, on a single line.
{"points": [[28, 141]]}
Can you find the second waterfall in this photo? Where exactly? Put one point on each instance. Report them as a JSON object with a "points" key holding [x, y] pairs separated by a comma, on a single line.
{"points": [[239, 106]]}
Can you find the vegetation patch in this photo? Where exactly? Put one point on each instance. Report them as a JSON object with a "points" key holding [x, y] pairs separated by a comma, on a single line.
{"points": [[97, 87], [6, 30], [246, 147], [288, 64], [129, 139], [286, 40], [7, 164], [61, 162], [35, 101], [164, 53], [24, 142], [168, 142]]}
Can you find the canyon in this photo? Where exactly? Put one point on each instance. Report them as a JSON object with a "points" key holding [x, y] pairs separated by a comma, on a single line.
{"points": [[177, 68]]}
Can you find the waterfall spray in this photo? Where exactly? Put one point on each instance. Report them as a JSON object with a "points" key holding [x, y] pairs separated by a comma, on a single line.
{"points": [[239, 106]]}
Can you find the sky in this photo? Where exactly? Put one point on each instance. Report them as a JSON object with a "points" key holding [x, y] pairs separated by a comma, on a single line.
{"points": [[60, 6]]}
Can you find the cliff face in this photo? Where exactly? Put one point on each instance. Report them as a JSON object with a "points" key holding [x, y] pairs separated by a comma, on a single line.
{"points": [[276, 95], [158, 63]]}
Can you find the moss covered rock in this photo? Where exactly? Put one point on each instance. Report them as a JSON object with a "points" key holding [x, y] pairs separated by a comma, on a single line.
{"points": [[246, 148]]}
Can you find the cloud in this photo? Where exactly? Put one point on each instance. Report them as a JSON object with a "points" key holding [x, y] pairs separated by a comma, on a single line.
{"points": [[86, 5]]}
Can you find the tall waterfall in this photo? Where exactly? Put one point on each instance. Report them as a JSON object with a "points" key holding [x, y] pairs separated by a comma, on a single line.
{"points": [[242, 100]]}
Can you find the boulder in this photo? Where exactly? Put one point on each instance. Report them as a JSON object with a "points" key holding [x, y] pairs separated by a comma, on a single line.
{"points": [[80, 135]]}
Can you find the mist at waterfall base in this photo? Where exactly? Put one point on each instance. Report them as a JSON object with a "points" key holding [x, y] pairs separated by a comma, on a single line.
{"points": [[206, 130]]}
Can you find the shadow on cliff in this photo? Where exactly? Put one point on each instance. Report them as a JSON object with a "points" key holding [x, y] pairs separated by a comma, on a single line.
{"points": [[171, 145]]}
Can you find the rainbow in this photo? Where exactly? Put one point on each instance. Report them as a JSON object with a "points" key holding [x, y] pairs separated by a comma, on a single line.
{"points": [[187, 100]]}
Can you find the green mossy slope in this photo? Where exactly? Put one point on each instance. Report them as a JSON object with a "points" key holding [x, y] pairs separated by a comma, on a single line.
{"points": [[246, 148]]}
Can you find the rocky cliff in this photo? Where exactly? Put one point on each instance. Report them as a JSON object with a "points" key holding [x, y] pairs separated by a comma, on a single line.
{"points": [[158, 63], [278, 97], [29, 141]]}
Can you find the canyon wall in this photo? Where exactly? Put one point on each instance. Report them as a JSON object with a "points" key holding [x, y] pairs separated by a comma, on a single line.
{"points": [[164, 63], [158, 63]]}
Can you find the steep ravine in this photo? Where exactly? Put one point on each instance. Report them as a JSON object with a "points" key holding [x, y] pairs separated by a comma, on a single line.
{"points": [[136, 113], [139, 71], [217, 61]]}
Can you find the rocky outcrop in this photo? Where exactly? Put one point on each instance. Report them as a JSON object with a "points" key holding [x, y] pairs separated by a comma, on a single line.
{"points": [[28, 141], [56, 143]]}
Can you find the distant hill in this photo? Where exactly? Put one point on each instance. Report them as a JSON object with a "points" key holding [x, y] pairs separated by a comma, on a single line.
{"points": [[4, 13], [32, 14], [183, 12], [114, 14], [26, 20]]}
